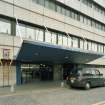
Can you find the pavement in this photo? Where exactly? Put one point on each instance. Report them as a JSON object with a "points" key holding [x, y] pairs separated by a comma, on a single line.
{"points": [[51, 93]]}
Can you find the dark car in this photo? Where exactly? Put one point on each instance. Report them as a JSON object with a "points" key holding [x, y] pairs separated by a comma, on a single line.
{"points": [[85, 78]]}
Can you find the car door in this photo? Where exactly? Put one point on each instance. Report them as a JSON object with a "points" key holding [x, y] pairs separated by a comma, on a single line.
{"points": [[94, 81], [99, 78]]}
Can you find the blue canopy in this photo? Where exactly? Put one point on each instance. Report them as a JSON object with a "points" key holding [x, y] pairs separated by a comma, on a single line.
{"points": [[40, 52]]}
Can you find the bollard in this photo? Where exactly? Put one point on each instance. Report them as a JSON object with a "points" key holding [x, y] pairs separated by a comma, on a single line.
{"points": [[12, 89], [62, 84]]}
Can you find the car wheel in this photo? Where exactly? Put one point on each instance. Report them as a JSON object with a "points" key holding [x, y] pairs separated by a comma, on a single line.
{"points": [[87, 86]]}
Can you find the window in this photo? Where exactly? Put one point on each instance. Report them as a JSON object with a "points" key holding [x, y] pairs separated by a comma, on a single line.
{"points": [[63, 11], [69, 41], [52, 5], [97, 72], [85, 44], [41, 2], [65, 41], [75, 42], [35, 1], [82, 18], [59, 9], [89, 46], [72, 15], [30, 33], [47, 3], [21, 30], [94, 46], [54, 38], [39, 35], [67, 13], [100, 48], [5, 26], [104, 48], [48, 36], [81, 44], [60, 39]]}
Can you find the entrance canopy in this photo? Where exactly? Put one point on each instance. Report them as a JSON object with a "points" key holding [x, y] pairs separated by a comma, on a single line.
{"points": [[40, 52]]}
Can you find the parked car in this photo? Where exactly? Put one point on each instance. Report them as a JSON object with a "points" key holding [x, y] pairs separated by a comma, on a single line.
{"points": [[85, 78]]}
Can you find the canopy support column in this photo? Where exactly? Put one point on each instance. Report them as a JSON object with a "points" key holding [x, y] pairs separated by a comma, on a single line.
{"points": [[18, 73]]}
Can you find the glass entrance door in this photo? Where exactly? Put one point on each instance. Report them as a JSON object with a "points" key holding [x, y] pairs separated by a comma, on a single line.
{"points": [[36, 72]]}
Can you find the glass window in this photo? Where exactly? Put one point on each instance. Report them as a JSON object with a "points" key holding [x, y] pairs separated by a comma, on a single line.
{"points": [[63, 11], [30, 33], [81, 44], [21, 30], [60, 39], [81, 18], [76, 16], [72, 14], [69, 41], [89, 46], [47, 3], [59, 9], [35, 1], [85, 45], [104, 48], [94, 46], [65, 40], [5, 26], [67, 13], [75, 42], [52, 5], [39, 34], [54, 38], [48, 36], [41, 2]]}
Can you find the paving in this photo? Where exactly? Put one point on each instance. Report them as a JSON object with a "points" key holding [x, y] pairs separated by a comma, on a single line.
{"points": [[51, 94]]}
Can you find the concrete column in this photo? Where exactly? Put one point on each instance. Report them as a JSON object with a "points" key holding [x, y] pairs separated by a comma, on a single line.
{"points": [[18, 73], [58, 72]]}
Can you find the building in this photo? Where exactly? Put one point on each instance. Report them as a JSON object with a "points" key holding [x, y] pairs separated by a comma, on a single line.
{"points": [[45, 39]]}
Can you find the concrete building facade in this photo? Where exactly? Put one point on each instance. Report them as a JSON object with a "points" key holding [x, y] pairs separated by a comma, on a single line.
{"points": [[74, 25]]}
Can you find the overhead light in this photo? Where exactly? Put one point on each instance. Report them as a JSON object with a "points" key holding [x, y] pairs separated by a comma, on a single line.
{"points": [[66, 57], [36, 54]]}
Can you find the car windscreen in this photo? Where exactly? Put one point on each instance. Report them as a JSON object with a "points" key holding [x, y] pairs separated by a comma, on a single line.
{"points": [[76, 72]]}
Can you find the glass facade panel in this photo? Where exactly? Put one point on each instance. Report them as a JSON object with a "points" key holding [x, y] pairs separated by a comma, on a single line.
{"points": [[30, 33], [104, 48], [21, 30], [48, 36], [81, 44], [100, 48], [41, 35], [54, 38], [65, 41], [36, 34], [75, 42], [89, 46], [52, 5], [5, 26], [69, 41], [85, 44], [41, 2], [60, 40], [59, 9], [47, 3], [94, 47], [74, 14]]}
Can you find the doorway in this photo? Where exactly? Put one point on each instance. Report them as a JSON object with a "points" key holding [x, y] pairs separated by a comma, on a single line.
{"points": [[36, 72], [66, 70]]}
